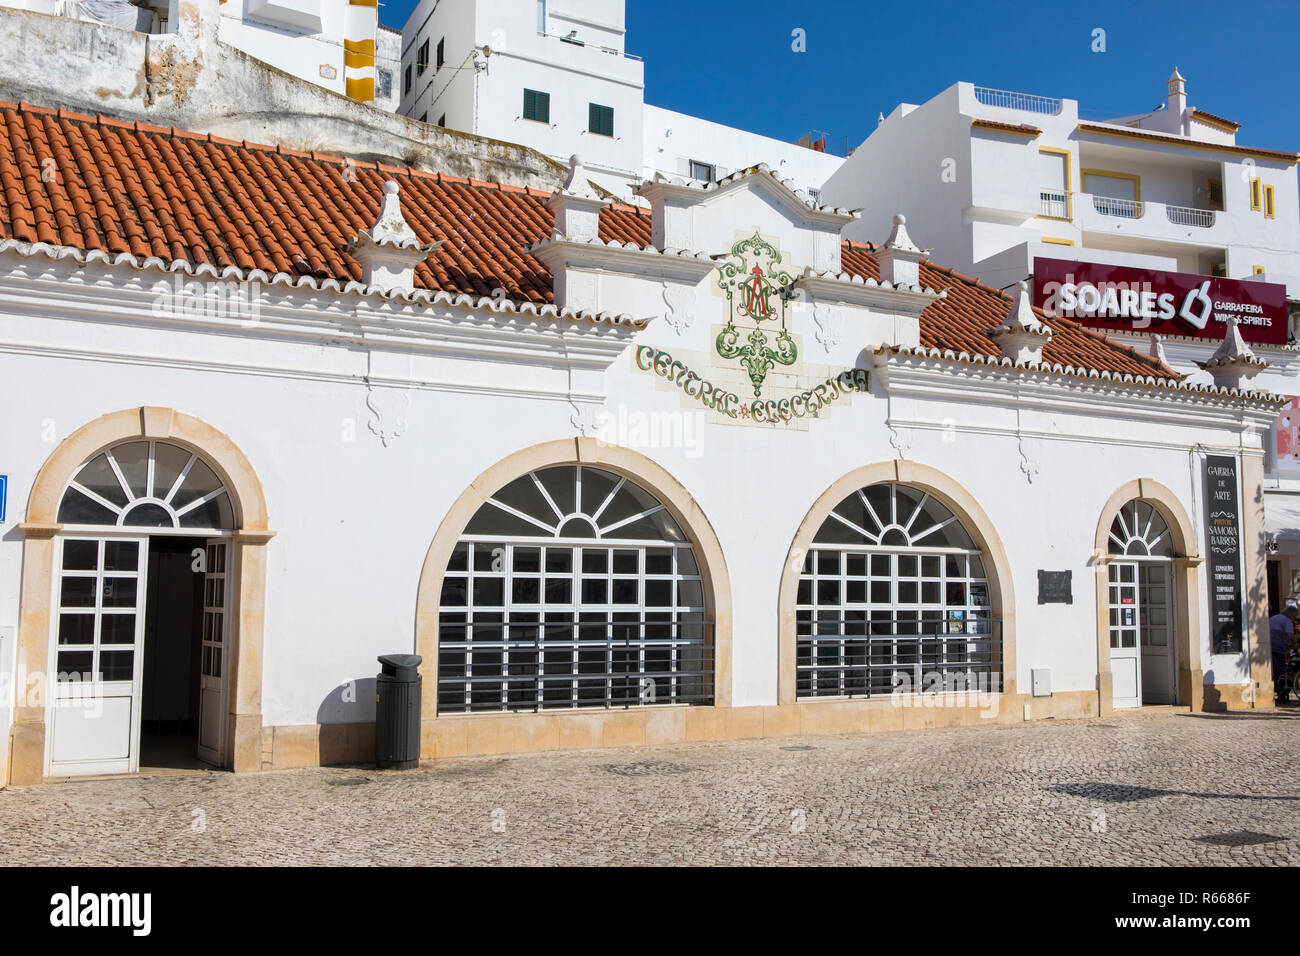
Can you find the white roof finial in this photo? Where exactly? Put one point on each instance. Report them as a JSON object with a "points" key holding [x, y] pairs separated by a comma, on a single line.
{"points": [[898, 237], [1157, 349], [575, 183], [1233, 364], [1021, 318], [391, 227]]}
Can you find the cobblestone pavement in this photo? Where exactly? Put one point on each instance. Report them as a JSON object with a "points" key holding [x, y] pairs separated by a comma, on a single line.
{"points": [[1170, 789]]}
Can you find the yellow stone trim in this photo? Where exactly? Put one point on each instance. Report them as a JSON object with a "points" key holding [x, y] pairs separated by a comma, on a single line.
{"points": [[359, 3], [41, 525], [576, 451], [1186, 589], [1057, 242], [1280, 155], [953, 496], [362, 90], [1032, 132], [1228, 126], [1111, 174]]}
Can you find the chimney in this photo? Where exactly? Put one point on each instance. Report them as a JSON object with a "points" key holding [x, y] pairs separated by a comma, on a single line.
{"points": [[390, 250], [1177, 98], [1021, 336], [1233, 364], [899, 258]]}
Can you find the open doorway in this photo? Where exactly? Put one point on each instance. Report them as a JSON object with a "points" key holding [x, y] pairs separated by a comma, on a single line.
{"points": [[173, 648]]}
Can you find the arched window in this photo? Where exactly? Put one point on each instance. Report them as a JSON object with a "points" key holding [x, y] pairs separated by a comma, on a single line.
{"points": [[147, 484], [1139, 531], [572, 587], [893, 596]]}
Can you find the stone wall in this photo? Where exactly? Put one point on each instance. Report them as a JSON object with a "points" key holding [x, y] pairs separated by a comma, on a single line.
{"points": [[190, 80]]}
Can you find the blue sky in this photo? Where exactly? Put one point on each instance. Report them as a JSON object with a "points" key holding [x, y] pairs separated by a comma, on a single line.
{"points": [[732, 62]]}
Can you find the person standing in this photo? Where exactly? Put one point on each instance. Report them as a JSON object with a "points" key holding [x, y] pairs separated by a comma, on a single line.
{"points": [[1280, 628]]}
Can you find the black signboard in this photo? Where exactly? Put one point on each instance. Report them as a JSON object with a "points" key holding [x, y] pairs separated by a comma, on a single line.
{"points": [[1054, 587], [1223, 553]]}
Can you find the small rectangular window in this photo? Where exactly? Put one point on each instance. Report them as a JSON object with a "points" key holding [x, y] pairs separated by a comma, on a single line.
{"points": [[406, 80], [1215, 189], [441, 58], [537, 106], [705, 172], [1257, 270], [1269, 208], [1254, 194], [422, 59], [600, 119]]}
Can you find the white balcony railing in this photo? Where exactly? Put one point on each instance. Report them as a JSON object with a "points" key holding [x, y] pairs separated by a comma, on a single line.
{"points": [[1054, 203], [1187, 216], [1123, 208], [1018, 101]]}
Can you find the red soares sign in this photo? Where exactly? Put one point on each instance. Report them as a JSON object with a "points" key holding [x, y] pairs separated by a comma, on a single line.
{"points": [[1170, 303]]}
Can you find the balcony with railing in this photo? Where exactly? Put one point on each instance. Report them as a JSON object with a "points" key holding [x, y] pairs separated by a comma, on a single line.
{"points": [[1024, 102], [1143, 219], [1120, 208], [1054, 203]]}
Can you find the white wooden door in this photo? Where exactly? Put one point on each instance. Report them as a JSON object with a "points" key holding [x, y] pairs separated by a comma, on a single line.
{"points": [[1125, 623], [96, 656], [214, 663], [1154, 584]]}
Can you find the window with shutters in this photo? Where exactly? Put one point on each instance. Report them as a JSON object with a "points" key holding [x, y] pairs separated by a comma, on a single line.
{"points": [[600, 119], [537, 106]]}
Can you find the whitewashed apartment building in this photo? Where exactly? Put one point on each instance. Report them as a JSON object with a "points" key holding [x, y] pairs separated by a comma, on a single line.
{"points": [[995, 180], [555, 75]]}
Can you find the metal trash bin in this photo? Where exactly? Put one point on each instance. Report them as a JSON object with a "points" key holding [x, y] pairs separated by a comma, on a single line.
{"points": [[397, 712]]}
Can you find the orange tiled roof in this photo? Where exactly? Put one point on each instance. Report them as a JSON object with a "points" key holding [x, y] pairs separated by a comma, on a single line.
{"points": [[960, 321], [95, 183]]}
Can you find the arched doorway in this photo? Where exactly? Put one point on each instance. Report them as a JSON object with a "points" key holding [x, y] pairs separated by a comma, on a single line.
{"points": [[592, 633], [142, 607], [895, 578], [1140, 578], [143, 588], [1147, 599]]}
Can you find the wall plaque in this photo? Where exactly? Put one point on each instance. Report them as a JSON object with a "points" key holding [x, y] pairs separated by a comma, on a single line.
{"points": [[1055, 587]]}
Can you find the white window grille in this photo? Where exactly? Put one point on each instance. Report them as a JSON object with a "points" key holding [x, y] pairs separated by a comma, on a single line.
{"points": [[572, 587], [893, 594]]}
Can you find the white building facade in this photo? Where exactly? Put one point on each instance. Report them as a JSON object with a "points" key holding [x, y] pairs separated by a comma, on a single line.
{"points": [[996, 180], [555, 75], [697, 471]]}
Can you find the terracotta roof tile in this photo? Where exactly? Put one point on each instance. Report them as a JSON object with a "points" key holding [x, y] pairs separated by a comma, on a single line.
{"points": [[95, 183]]}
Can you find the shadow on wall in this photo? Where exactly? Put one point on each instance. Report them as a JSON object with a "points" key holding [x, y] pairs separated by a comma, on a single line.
{"points": [[347, 723]]}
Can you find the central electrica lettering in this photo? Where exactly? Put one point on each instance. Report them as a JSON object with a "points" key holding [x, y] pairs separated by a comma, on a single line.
{"points": [[770, 411]]}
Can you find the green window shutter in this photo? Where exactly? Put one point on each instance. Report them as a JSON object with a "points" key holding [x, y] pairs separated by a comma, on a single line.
{"points": [[600, 119], [537, 106]]}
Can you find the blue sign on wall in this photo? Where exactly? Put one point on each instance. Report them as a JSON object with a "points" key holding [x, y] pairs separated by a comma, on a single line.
{"points": [[4, 493]]}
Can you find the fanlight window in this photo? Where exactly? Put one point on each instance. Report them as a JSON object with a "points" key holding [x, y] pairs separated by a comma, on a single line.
{"points": [[893, 516], [147, 484], [572, 587], [574, 502], [1139, 531], [893, 596]]}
